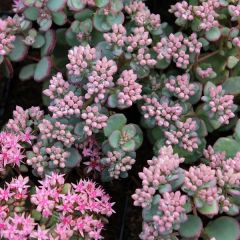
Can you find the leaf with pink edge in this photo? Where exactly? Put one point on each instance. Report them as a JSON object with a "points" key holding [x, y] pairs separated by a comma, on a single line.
{"points": [[56, 5], [27, 72], [43, 69], [19, 51], [50, 42]]}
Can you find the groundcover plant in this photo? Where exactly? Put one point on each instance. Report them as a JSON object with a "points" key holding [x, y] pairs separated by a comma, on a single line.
{"points": [[98, 58]]}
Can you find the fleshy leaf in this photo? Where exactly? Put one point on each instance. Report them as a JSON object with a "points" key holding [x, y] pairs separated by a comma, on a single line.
{"points": [[59, 18], [227, 145], [115, 122], [232, 85], [20, 50], [74, 159], [50, 42], [43, 69], [75, 5], [129, 146], [223, 228], [31, 13], [114, 139], [101, 3], [213, 34], [56, 5], [27, 72], [191, 228]]}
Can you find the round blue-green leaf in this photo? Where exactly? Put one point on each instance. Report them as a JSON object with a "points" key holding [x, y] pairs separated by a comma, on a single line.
{"points": [[191, 228], [56, 5], [45, 24], [101, 3], [74, 159], [223, 228], [39, 41], [114, 139], [43, 69], [213, 34], [129, 146], [83, 14], [27, 72], [31, 13], [227, 145], [100, 22], [232, 85], [19, 51], [115, 122], [75, 5], [59, 18]]}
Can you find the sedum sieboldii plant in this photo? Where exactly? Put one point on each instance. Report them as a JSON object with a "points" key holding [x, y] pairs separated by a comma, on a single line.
{"points": [[97, 59]]}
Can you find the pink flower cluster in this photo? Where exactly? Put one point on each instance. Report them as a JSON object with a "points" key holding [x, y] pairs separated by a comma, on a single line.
{"points": [[11, 152], [160, 168], [182, 10], [131, 90], [180, 86], [163, 113], [177, 48], [100, 79], [171, 206], [94, 120], [58, 131], [7, 36], [220, 104], [234, 11], [201, 181], [205, 73], [207, 13], [118, 35], [118, 163], [185, 135], [80, 206], [92, 151], [42, 157], [139, 38], [143, 58], [12, 199], [24, 122], [141, 15], [80, 58], [65, 102], [227, 176]]}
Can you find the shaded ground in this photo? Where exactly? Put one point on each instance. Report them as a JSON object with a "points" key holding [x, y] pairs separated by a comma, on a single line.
{"points": [[126, 223]]}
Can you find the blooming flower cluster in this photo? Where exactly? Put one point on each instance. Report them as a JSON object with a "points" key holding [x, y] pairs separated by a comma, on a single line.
{"points": [[10, 150], [7, 28], [80, 208]]}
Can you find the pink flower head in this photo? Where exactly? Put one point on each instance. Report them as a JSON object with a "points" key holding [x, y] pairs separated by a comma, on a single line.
{"points": [[101, 79], [10, 149], [94, 120], [161, 111], [180, 86], [80, 59], [131, 90]]}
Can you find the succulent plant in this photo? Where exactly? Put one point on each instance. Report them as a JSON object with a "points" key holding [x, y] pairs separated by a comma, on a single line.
{"points": [[101, 60]]}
